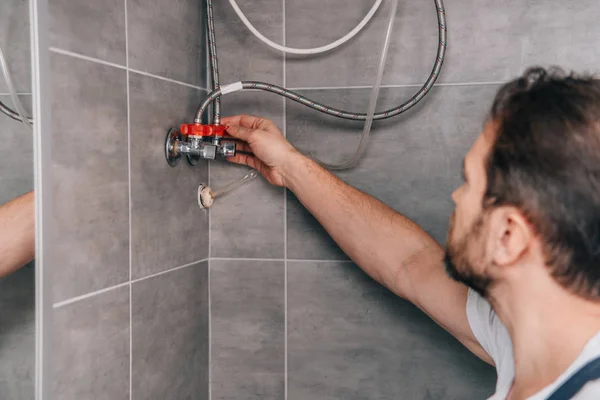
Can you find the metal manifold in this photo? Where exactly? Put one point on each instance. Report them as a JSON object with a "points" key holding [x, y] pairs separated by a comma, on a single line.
{"points": [[198, 142]]}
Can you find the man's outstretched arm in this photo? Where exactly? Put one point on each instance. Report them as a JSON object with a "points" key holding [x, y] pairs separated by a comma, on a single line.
{"points": [[17, 233], [389, 247]]}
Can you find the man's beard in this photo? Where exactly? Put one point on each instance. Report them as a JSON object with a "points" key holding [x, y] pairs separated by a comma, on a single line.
{"points": [[456, 259]]}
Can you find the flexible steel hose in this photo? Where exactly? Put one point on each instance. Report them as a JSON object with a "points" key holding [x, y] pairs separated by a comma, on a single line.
{"points": [[214, 61], [19, 114], [12, 114], [268, 87]]}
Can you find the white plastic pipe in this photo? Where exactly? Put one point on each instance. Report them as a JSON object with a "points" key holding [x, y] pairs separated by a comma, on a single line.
{"points": [[315, 50]]}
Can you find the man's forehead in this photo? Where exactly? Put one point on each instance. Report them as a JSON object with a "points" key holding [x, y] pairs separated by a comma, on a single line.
{"points": [[481, 146]]}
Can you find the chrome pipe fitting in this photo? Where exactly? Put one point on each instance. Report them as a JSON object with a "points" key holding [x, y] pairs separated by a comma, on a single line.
{"points": [[195, 148]]}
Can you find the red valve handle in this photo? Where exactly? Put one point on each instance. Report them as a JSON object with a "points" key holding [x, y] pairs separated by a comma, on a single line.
{"points": [[202, 130]]}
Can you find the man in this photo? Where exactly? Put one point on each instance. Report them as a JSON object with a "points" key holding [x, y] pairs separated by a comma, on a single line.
{"points": [[17, 233], [523, 249]]}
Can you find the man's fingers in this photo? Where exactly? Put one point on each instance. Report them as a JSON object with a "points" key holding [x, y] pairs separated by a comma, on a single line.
{"points": [[239, 132], [233, 120], [239, 158], [249, 121]]}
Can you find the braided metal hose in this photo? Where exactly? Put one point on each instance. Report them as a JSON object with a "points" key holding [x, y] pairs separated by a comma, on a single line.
{"points": [[268, 87], [12, 114], [19, 114], [214, 61]]}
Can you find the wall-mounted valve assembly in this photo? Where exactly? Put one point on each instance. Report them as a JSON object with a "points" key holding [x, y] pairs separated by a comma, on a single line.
{"points": [[196, 142], [199, 141]]}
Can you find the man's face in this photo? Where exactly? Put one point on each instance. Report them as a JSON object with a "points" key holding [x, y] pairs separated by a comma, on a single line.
{"points": [[465, 257]]}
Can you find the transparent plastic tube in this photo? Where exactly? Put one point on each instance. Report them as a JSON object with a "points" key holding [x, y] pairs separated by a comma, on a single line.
{"points": [[235, 184], [364, 139], [206, 196], [22, 116]]}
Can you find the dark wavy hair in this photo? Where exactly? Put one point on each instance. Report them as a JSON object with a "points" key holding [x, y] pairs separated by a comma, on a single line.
{"points": [[545, 161]]}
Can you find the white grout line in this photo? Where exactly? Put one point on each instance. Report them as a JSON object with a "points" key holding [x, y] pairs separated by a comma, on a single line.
{"points": [[484, 83], [98, 61], [209, 333], [319, 261], [208, 79], [297, 260], [285, 241], [82, 57], [18, 94], [209, 297], [209, 85], [108, 289], [246, 259], [88, 295], [92, 294], [130, 207], [169, 270], [168, 79]]}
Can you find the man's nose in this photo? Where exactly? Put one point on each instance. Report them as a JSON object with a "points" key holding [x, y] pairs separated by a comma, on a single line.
{"points": [[455, 195]]}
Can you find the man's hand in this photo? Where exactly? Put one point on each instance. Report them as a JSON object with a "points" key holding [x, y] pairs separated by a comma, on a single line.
{"points": [[265, 149]]}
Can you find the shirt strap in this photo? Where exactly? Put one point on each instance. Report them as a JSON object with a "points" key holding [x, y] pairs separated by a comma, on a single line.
{"points": [[572, 386]]}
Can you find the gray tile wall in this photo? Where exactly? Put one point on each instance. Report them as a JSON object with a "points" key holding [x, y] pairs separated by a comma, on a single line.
{"points": [[17, 334], [131, 274], [17, 292], [248, 338], [344, 336]]}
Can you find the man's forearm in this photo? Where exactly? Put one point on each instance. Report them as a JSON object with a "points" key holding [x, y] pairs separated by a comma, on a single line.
{"points": [[381, 241], [17, 233]]}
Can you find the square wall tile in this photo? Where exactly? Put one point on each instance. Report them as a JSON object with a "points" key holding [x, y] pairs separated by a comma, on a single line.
{"points": [[170, 335], [241, 55], [560, 34], [412, 163], [168, 229], [90, 353], [16, 167], [487, 40], [349, 338], [247, 329], [90, 193], [247, 222], [314, 23], [17, 334], [15, 43], [167, 38], [91, 28]]}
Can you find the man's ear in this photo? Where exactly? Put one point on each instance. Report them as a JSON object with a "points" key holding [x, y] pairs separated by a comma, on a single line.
{"points": [[510, 235]]}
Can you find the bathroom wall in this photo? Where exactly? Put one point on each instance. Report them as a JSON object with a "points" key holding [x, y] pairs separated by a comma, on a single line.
{"points": [[131, 272], [291, 316], [17, 291]]}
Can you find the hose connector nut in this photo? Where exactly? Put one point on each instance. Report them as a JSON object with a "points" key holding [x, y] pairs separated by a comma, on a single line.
{"points": [[227, 149]]}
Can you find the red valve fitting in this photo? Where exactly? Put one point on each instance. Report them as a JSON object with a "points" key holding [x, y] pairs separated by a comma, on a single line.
{"points": [[202, 130]]}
